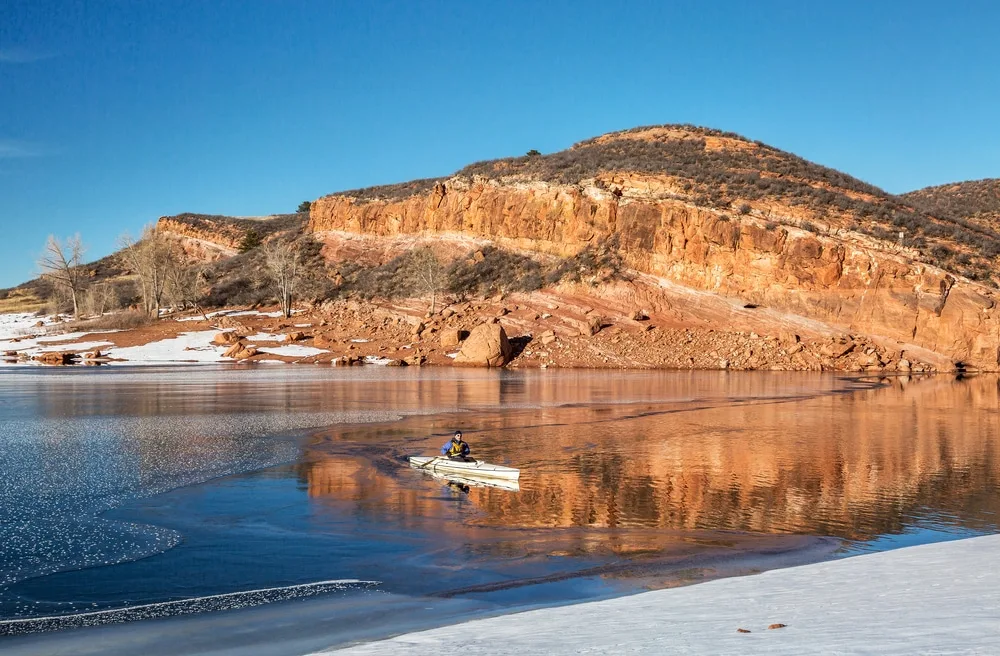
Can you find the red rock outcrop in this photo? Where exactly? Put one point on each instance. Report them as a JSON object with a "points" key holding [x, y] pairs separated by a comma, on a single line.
{"points": [[842, 278]]}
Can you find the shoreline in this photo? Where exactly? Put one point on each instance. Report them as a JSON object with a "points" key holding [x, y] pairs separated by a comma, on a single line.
{"points": [[318, 624], [934, 597], [560, 328]]}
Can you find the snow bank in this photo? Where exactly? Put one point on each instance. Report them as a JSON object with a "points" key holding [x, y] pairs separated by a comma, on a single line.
{"points": [[941, 598], [258, 313], [76, 347], [19, 324], [187, 347], [266, 337], [292, 350]]}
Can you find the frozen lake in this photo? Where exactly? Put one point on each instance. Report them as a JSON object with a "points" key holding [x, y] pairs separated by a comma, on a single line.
{"points": [[182, 490]]}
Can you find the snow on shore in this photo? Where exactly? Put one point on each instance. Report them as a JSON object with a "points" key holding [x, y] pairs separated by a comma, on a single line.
{"points": [[293, 350], [193, 346], [939, 598]]}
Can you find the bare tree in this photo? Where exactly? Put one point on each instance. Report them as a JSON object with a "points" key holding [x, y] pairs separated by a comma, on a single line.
{"points": [[150, 259], [430, 275], [181, 289], [281, 262], [100, 298], [61, 264]]}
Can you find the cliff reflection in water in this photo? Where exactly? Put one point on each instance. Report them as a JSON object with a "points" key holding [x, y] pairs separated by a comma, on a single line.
{"points": [[746, 456]]}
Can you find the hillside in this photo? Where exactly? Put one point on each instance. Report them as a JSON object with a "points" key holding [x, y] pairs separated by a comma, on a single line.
{"points": [[976, 202]]}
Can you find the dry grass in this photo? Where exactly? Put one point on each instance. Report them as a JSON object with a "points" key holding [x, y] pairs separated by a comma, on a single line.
{"points": [[18, 302], [127, 320]]}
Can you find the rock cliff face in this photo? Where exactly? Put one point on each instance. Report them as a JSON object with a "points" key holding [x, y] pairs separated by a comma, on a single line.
{"points": [[207, 237], [202, 242], [761, 254]]}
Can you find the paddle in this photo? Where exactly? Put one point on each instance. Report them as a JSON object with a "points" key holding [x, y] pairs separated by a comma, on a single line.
{"points": [[429, 462]]}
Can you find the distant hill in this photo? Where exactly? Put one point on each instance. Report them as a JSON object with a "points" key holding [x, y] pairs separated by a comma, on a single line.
{"points": [[977, 201]]}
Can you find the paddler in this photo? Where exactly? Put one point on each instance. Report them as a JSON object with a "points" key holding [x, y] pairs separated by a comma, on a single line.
{"points": [[457, 448]]}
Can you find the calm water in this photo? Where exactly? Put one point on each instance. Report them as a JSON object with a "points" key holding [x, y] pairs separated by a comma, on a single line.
{"points": [[182, 490]]}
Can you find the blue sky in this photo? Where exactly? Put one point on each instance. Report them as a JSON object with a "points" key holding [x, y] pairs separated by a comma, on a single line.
{"points": [[113, 113]]}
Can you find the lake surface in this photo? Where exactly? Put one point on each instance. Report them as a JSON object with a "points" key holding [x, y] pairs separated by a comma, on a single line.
{"points": [[183, 490]]}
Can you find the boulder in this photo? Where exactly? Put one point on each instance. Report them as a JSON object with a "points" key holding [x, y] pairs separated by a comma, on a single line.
{"points": [[225, 338], [235, 324], [836, 349], [235, 350], [295, 336], [547, 337], [486, 346], [590, 325], [415, 360], [451, 337], [639, 315], [323, 341], [57, 358], [247, 352]]}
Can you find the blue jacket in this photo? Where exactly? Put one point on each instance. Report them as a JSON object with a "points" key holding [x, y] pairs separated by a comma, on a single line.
{"points": [[452, 449]]}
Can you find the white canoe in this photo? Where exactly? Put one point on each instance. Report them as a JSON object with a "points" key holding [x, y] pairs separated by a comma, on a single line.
{"points": [[474, 468]]}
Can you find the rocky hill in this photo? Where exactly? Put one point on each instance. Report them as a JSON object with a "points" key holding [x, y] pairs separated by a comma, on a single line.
{"points": [[718, 213]]}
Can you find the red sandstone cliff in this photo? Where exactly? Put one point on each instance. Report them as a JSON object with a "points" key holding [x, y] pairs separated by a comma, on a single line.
{"points": [[764, 249]]}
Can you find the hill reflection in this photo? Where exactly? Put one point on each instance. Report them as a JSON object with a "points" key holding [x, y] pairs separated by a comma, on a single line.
{"points": [[746, 454]]}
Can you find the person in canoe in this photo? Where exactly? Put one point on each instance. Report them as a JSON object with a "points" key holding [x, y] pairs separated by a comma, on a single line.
{"points": [[457, 448]]}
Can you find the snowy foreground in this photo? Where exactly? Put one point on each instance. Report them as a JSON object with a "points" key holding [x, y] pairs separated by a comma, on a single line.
{"points": [[941, 598]]}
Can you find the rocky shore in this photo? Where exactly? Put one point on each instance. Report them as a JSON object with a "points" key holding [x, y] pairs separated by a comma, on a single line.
{"points": [[622, 326]]}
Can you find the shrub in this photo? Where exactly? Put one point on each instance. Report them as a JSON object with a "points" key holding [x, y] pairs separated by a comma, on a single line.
{"points": [[495, 271], [251, 240], [602, 262], [125, 320], [940, 252]]}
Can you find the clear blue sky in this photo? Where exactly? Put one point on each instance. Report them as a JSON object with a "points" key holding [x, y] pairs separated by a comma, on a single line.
{"points": [[113, 113]]}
